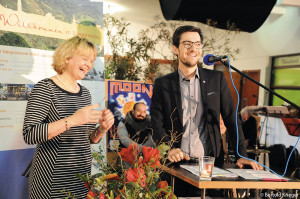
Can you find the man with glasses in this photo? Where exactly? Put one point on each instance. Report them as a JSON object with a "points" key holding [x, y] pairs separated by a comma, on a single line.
{"points": [[187, 105]]}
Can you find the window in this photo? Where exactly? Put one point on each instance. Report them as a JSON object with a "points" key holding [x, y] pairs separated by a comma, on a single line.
{"points": [[285, 79]]}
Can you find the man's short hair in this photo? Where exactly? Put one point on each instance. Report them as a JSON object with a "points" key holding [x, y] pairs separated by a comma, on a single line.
{"points": [[245, 110], [135, 105], [182, 29]]}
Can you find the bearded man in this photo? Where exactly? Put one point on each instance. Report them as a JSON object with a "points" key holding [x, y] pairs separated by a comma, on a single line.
{"points": [[135, 127]]}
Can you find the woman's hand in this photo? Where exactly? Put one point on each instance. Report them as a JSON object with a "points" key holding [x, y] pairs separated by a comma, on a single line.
{"points": [[85, 115], [106, 120], [82, 116]]}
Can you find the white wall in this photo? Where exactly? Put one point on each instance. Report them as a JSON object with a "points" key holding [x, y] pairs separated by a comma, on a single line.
{"points": [[279, 35]]}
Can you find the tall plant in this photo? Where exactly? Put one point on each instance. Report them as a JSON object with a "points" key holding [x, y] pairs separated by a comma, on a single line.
{"points": [[132, 58], [127, 52], [219, 41]]}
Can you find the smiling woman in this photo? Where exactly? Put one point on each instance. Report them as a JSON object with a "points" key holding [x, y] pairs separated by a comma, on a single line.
{"points": [[72, 60], [61, 120]]}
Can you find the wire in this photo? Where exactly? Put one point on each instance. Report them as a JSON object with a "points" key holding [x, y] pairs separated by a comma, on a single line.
{"points": [[237, 131]]}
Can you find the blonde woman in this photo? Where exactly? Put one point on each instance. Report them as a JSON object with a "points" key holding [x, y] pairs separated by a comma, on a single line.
{"points": [[61, 121]]}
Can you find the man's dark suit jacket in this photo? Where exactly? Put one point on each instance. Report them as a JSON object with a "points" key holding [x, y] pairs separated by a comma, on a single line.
{"points": [[166, 111]]}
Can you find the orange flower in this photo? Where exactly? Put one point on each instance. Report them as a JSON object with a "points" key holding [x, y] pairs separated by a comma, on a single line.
{"points": [[151, 156], [136, 175], [130, 154]]}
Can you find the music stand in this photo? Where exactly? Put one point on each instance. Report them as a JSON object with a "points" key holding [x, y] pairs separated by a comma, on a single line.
{"points": [[292, 126], [268, 111]]}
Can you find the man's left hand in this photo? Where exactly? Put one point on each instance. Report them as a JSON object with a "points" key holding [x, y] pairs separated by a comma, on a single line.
{"points": [[242, 161]]}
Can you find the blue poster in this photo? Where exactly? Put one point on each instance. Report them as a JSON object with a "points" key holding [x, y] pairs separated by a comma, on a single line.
{"points": [[121, 97]]}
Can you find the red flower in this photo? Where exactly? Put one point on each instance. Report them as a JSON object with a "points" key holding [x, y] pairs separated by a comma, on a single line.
{"points": [[102, 196], [141, 159], [113, 176], [151, 156], [163, 186], [136, 175], [130, 154], [86, 184], [91, 195]]}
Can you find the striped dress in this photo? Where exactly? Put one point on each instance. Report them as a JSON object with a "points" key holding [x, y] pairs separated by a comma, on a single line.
{"points": [[56, 161]]}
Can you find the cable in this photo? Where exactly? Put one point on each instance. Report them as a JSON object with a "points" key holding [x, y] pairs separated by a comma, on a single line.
{"points": [[237, 131]]}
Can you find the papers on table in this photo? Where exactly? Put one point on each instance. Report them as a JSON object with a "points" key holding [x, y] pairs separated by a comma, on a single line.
{"points": [[217, 172], [250, 174]]}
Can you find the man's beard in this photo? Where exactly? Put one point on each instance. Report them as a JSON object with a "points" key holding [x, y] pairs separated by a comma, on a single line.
{"points": [[139, 120], [188, 63]]}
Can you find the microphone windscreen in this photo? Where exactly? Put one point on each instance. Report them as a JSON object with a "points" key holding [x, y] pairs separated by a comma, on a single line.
{"points": [[206, 59]]}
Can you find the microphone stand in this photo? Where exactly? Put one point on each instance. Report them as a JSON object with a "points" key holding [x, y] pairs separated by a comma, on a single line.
{"points": [[261, 85], [256, 82]]}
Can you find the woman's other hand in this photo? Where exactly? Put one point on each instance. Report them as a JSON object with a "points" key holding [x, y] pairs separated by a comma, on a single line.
{"points": [[85, 115], [106, 120]]}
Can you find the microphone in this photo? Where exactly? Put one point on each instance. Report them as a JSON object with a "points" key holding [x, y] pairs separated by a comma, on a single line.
{"points": [[210, 59]]}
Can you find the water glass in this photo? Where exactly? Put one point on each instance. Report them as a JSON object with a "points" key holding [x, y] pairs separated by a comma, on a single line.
{"points": [[206, 165]]}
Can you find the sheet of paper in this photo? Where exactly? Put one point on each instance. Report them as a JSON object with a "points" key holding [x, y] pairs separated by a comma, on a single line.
{"points": [[251, 174], [216, 171]]}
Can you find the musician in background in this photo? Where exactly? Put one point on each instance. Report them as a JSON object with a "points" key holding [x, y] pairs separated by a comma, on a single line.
{"points": [[249, 126]]}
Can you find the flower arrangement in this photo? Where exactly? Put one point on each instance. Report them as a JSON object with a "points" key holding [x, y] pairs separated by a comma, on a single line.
{"points": [[141, 179]]}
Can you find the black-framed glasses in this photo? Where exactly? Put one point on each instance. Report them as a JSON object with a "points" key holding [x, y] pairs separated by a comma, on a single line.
{"points": [[189, 44]]}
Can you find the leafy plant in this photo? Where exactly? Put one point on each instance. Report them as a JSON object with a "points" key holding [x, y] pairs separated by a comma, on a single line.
{"points": [[132, 58], [138, 180], [219, 41]]}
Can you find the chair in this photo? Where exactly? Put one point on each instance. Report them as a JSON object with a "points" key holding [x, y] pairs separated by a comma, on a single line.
{"points": [[277, 158]]}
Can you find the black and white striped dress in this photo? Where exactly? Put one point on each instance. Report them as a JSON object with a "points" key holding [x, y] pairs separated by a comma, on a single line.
{"points": [[56, 161]]}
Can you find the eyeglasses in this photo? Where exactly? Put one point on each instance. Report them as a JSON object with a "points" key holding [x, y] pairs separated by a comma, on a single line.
{"points": [[189, 44]]}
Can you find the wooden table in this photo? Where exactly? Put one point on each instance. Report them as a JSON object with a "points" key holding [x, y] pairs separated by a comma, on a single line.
{"points": [[228, 183]]}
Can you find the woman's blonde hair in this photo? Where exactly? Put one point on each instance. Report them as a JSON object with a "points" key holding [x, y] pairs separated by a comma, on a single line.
{"points": [[70, 47]]}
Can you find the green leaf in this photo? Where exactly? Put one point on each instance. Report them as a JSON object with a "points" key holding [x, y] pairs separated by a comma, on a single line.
{"points": [[163, 148]]}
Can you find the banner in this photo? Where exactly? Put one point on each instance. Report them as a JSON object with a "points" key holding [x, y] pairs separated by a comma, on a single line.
{"points": [[121, 97], [48, 25], [30, 31]]}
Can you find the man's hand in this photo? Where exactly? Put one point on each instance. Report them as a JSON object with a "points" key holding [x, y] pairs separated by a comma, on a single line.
{"points": [[242, 161], [176, 155]]}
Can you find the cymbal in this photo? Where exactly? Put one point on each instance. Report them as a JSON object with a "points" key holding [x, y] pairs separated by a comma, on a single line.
{"points": [[257, 151]]}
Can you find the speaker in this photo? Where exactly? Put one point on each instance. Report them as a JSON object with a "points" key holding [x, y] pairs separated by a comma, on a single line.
{"points": [[247, 15]]}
